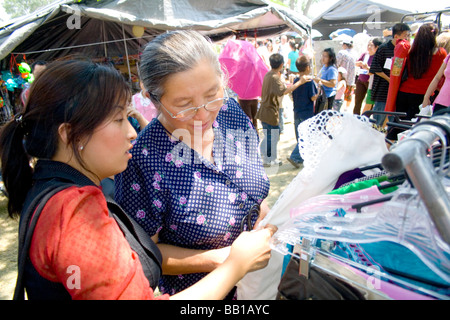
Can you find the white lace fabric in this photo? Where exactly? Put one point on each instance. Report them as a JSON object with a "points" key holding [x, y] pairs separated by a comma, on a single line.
{"points": [[330, 143]]}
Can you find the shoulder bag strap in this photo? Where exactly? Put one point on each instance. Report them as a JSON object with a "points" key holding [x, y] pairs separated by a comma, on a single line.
{"points": [[26, 231]]}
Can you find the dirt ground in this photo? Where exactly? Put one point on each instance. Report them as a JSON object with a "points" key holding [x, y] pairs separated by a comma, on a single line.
{"points": [[8, 252], [279, 177]]}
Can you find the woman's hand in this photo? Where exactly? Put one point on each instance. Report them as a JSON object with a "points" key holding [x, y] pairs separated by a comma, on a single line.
{"points": [[132, 112], [362, 65], [306, 78], [251, 250], [426, 101]]}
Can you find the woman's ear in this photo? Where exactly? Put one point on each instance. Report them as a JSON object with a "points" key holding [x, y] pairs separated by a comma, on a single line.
{"points": [[146, 94], [63, 132]]}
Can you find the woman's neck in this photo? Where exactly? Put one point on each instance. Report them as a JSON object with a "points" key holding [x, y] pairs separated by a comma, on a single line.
{"points": [[71, 161]]}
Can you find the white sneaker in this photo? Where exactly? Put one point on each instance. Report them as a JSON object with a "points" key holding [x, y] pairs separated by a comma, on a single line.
{"points": [[272, 163]]}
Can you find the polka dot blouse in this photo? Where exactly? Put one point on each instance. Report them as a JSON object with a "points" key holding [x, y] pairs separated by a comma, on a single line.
{"points": [[172, 190]]}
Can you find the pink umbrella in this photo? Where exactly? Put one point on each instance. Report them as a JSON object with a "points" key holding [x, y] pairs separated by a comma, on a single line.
{"points": [[245, 68]]}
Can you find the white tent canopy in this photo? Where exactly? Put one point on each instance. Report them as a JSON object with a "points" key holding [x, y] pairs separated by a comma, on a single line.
{"points": [[370, 15], [106, 27]]}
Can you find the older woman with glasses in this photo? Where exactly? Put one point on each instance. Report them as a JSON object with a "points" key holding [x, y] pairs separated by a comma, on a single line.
{"points": [[195, 180]]}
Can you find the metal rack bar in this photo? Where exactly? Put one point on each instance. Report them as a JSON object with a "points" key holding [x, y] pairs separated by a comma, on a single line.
{"points": [[411, 154]]}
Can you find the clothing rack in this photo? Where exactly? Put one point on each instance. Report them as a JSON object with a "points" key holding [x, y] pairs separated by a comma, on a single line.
{"points": [[422, 158], [411, 155]]}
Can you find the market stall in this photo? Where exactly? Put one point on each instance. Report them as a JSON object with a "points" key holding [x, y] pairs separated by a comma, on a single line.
{"points": [[111, 31]]}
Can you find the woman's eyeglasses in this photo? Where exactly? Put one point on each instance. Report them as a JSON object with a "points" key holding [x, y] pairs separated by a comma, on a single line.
{"points": [[189, 113]]}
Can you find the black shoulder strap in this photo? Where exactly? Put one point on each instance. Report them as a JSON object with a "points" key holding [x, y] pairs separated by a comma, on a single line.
{"points": [[148, 252], [26, 231], [135, 229]]}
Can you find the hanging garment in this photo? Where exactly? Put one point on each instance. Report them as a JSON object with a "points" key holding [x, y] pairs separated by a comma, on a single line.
{"points": [[330, 143], [390, 257], [402, 262], [332, 202], [403, 220], [331, 279], [318, 286], [348, 176]]}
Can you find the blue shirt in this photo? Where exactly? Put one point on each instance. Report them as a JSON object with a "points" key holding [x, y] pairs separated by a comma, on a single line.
{"points": [[329, 73], [172, 190], [303, 105], [293, 56]]}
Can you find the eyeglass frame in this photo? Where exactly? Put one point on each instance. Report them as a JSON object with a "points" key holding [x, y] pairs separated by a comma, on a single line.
{"points": [[225, 98]]}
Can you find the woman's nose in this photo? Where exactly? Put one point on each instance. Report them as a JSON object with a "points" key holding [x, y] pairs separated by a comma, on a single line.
{"points": [[132, 134], [202, 114]]}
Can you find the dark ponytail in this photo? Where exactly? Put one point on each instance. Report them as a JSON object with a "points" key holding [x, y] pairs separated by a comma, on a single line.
{"points": [[16, 170], [422, 50]]}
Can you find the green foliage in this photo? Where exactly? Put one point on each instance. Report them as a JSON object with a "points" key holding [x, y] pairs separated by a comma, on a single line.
{"points": [[17, 8], [301, 6], [283, 3]]}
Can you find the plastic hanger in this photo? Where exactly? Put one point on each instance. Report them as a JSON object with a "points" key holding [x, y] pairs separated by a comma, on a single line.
{"points": [[310, 255], [403, 220]]}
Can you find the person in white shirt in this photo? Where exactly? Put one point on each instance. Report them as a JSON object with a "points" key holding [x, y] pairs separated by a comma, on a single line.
{"points": [[347, 59]]}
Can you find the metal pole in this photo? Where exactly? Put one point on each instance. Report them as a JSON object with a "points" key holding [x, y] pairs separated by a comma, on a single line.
{"points": [[411, 154], [104, 40], [126, 53]]}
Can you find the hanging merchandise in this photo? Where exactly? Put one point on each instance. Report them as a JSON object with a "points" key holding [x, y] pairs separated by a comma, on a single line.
{"points": [[25, 72], [330, 143], [12, 80], [9, 81], [5, 110], [398, 239], [19, 75], [138, 31]]}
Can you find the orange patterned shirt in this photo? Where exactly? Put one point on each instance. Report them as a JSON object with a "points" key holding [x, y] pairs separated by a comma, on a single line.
{"points": [[78, 244]]}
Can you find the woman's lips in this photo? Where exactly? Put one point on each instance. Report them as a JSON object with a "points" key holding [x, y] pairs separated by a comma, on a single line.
{"points": [[199, 125]]}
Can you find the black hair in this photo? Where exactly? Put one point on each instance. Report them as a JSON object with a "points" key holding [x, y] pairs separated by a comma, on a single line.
{"points": [[37, 63], [331, 56], [377, 42], [399, 28], [276, 60], [293, 45], [422, 50], [302, 63]]}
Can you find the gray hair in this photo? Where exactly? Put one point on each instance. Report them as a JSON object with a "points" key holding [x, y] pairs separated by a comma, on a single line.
{"points": [[174, 52]]}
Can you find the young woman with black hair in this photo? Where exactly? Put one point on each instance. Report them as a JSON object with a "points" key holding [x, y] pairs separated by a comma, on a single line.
{"points": [[327, 77], [424, 60]]}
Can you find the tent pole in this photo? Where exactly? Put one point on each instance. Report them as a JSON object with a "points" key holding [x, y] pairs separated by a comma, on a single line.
{"points": [[104, 40], [126, 53]]}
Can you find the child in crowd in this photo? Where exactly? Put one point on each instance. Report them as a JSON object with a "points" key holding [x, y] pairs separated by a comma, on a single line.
{"points": [[340, 89], [303, 98]]}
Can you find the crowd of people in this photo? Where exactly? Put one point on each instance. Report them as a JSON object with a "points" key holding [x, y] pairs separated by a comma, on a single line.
{"points": [[180, 157], [354, 84]]}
